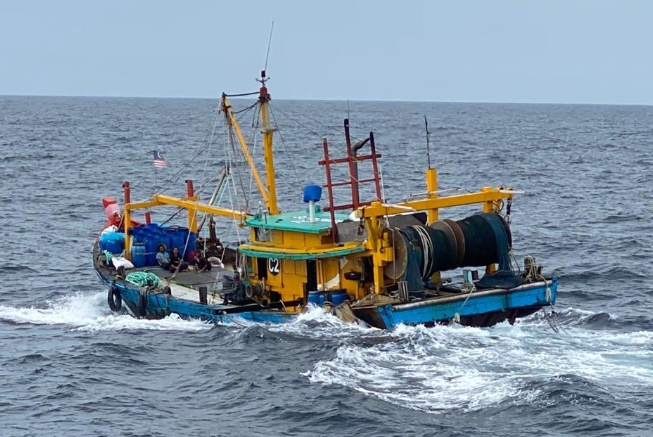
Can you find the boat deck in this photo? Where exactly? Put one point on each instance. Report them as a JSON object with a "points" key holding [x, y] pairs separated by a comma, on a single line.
{"points": [[186, 284]]}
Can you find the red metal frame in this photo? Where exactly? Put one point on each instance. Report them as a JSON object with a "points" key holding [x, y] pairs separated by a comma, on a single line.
{"points": [[352, 160]]}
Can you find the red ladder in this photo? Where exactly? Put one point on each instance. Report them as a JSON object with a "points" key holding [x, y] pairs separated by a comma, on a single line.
{"points": [[352, 159]]}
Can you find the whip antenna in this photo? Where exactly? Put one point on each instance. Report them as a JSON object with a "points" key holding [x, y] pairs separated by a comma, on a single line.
{"points": [[267, 55]]}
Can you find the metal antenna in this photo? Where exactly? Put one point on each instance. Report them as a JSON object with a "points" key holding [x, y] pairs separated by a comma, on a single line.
{"points": [[267, 55], [428, 147]]}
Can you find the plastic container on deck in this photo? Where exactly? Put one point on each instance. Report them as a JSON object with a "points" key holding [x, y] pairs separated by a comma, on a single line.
{"points": [[316, 298], [174, 236], [151, 242], [182, 238], [338, 296], [114, 242], [139, 258], [139, 233], [335, 297]]}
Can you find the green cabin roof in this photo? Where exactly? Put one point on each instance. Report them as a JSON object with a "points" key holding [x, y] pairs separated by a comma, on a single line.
{"points": [[296, 221]]}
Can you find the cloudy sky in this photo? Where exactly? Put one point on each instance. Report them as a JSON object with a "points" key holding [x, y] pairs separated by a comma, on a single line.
{"points": [[571, 51]]}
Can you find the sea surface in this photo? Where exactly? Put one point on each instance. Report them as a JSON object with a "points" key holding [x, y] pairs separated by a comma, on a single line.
{"points": [[71, 367]]}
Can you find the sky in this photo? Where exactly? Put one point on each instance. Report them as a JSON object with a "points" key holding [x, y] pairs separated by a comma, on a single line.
{"points": [[547, 51]]}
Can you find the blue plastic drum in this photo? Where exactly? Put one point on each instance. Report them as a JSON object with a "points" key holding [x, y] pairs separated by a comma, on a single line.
{"points": [[181, 238], [139, 257], [114, 242], [338, 296], [316, 298]]}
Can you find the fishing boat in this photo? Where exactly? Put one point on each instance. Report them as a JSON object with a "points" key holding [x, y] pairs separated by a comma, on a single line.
{"points": [[369, 261]]}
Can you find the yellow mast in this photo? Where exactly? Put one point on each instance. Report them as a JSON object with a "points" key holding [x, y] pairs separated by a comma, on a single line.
{"points": [[268, 133], [231, 119], [268, 193]]}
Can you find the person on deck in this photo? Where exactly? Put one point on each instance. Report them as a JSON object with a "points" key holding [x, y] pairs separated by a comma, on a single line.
{"points": [[162, 257], [177, 263], [200, 263]]}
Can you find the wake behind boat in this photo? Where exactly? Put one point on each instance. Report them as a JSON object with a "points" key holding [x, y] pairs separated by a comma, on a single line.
{"points": [[370, 261]]}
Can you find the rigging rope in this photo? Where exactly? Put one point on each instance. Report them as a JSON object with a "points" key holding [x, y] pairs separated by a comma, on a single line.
{"points": [[285, 148], [186, 165], [289, 115]]}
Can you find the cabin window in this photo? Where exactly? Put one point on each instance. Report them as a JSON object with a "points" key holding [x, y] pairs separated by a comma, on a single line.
{"points": [[311, 275], [262, 267], [262, 234]]}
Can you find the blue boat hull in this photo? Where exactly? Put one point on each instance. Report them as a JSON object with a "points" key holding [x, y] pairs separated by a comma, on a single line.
{"points": [[141, 303], [481, 308]]}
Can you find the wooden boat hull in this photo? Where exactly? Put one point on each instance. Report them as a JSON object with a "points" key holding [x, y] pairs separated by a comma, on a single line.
{"points": [[481, 308]]}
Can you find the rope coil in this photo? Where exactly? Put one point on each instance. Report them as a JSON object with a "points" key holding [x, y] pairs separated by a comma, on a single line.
{"points": [[143, 279]]}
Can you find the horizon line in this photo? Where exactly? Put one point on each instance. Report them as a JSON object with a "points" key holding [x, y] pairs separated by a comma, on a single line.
{"points": [[330, 100]]}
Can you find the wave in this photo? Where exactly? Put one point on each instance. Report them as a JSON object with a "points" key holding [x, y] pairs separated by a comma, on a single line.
{"points": [[444, 369], [16, 268], [84, 312], [600, 272]]}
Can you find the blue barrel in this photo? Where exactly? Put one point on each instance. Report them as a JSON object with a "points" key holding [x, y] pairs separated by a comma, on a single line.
{"points": [[139, 233], [151, 242], [114, 242], [174, 237], [163, 238], [316, 298], [182, 238], [139, 258], [104, 241], [338, 296]]}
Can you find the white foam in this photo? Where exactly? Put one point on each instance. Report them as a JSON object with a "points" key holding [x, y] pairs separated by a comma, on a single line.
{"points": [[317, 323], [448, 368], [86, 312]]}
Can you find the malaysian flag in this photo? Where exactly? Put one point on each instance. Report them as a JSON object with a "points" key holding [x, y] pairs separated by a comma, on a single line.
{"points": [[159, 161]]}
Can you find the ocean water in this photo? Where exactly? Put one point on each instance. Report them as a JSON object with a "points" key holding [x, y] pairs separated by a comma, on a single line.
{"points": [[68, 366]]}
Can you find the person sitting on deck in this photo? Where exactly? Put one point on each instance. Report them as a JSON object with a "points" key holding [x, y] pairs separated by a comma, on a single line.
{"points": [[236, 287], [162, 257], [177, 263], [200, 263]]}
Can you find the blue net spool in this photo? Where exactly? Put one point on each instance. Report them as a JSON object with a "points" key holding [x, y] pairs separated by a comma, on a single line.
{"points": [[487, 240], [478, 240]]}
